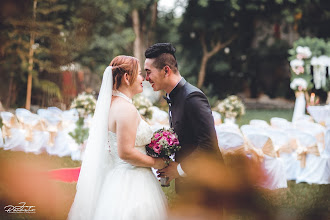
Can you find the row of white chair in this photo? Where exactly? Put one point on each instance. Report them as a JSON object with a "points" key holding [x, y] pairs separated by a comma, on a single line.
{"points": [[302, 149], [46, 131]]}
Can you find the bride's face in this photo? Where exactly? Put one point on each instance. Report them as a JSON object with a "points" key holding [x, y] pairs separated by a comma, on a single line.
{"points": [[137, 85]]}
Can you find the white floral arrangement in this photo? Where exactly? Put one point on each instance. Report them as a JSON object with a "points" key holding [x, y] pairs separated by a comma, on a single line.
{"points": [[143, 105], [299, 84], [303, 52], [231, 107], [85, 104]]}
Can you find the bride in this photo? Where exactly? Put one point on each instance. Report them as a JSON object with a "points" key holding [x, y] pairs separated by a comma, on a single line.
{"points": [[116, 180]]}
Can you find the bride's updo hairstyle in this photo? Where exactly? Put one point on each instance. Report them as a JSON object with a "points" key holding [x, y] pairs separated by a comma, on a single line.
{"points": [[121, 65]]}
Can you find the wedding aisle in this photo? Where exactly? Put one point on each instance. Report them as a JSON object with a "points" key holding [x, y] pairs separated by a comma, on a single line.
{"points": [[65, 174]]}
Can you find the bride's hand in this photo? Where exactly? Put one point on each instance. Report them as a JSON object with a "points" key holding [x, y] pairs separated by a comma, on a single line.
{"points": [[159, 163]]}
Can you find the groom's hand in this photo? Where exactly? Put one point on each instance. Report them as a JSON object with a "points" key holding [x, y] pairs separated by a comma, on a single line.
{"points": [[170, 171]]}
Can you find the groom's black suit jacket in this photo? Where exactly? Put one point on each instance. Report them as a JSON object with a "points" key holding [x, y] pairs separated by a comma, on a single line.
{"points": [[192, 120]]}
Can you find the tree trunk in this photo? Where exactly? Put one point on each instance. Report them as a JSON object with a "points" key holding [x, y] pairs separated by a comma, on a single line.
{"points": [[328, 99], [144, 34], [202, 71], [30, 68], [151, 32], [138, 41], [208, 54]]}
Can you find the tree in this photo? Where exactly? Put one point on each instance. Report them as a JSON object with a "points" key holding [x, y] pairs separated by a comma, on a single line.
{"points": [[208, 26], [33, 39], [144, 20], [213, 24]]}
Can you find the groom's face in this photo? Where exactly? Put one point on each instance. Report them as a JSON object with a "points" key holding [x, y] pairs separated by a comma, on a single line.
{"points": [[153, 75]]}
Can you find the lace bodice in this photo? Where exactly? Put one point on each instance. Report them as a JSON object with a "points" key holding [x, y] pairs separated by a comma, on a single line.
{"points": [[143, 137]]}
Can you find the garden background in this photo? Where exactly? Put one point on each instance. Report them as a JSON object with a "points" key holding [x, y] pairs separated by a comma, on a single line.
{"points": [[53, 50]]}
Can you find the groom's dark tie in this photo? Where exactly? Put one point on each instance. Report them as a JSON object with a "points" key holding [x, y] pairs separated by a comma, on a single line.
{"points": [[167, 100], [169, 110]]}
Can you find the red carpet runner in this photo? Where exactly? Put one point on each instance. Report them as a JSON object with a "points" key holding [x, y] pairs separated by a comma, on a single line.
{"points": [[65, 174]]}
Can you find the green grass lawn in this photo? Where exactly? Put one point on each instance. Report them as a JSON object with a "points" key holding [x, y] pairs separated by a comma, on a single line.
{"points": [[298, 201], [264, 114]]}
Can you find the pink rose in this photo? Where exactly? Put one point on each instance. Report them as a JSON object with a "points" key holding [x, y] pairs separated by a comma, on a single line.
{"points": [[157, 148], [176, 142], [166, 133], [172, 136], [170, 141]]}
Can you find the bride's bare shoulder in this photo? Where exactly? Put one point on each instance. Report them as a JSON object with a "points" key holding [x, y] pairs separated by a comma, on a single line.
{"points": [[123, 109]]}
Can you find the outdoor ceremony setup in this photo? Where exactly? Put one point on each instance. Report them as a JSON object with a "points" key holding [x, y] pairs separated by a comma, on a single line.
{"points": [[297, 150], [260, 69]]}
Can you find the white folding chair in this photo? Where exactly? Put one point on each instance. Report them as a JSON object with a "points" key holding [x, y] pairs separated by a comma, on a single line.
{"points": [[280, 123], [251, 129], [56, 144], [230, 127], [36, 134], [285, 151], [315, 129], [229, 140], [273, 167], [259, 123], [1, 139], [14, 135], [216, 117], [326, 152], [316, 168], [55, 111]]}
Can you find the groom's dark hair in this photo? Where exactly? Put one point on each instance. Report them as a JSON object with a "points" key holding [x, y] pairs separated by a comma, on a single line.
{"points": [[163, 53]]}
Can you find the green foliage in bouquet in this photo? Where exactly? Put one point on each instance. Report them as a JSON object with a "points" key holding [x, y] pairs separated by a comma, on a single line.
{"points": [[143, 105], [80, 134]]}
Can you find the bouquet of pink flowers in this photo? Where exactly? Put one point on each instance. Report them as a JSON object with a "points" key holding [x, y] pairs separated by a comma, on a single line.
{"points": [[164, 143]]}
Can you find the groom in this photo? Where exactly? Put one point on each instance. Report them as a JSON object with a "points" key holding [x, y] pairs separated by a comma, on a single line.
{"points": [[189, 112]]}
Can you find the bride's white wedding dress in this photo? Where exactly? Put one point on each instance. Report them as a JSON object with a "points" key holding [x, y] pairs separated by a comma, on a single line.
{"points": [[109, 188], [130, 192]]}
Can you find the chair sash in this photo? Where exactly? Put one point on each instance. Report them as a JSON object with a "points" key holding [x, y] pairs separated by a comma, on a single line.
{"points": [[53, 129], [320, 138], [29, 132], [8, 125], [259, 153], [322, 123], [40, 126], [231, 153], [303, 151], [6, 131], [287, 148]]}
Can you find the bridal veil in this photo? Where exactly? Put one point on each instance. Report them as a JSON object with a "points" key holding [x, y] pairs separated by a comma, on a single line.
{"points": [[96, 157]]}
